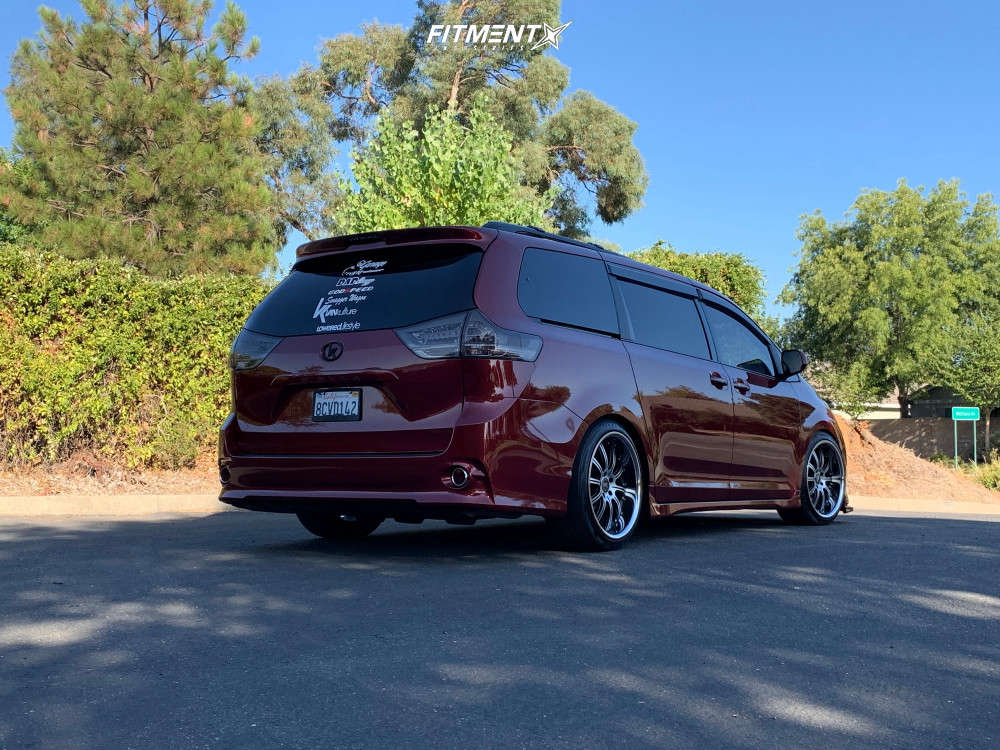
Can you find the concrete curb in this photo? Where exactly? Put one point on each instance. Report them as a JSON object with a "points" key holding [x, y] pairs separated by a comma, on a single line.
{"points": [[109, 505], [912, 505], [142, 505]]}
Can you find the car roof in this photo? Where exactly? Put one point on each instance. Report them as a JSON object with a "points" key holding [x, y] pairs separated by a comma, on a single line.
{"points": [[609, 256], [482, 235], [630, 262]]}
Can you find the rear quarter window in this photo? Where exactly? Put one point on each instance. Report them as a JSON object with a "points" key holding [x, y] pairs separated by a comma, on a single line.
{"points": [[369, 290], [568, 289]]}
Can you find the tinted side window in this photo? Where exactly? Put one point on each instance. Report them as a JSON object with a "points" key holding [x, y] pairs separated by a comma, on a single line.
{"points": [[664, 320], [737, 345], [565, 288]]}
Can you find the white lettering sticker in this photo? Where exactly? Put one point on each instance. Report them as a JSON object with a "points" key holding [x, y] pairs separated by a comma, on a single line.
{"points": [[365, 266]]}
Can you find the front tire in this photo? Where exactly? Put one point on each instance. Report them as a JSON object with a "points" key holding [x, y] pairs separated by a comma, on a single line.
{"points": [[824, 484], [607, 493], [339, 526]]}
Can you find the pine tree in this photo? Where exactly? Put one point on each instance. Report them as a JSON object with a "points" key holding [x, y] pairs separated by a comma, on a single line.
{"points": [[139, 140]]}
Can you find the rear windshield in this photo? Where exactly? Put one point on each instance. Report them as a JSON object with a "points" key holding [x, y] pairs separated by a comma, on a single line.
{"points": [[369, 290]]}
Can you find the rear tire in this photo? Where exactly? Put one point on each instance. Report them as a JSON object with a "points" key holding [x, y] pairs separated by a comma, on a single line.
{"points": [[824, 484], [339, 526], [607, 492]]}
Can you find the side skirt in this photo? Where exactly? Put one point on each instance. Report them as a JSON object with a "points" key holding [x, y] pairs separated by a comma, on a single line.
{"points": [[661, 510]]}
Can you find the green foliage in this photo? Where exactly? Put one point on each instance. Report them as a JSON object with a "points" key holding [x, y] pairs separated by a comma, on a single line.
{"points": [[881, 290], [986, 473], [11, 230], [776, 328], [972, 367], [453, 172], [138, 139], [95, 356], [589, 144], [293, 137], [989, 476], [567, 146], [846, 389], [730, 273]]}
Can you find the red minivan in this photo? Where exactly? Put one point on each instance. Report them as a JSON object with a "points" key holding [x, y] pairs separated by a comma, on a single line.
{"points": [[461, 373]]}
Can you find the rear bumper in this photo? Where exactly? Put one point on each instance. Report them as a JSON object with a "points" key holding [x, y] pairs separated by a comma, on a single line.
{"points": [[519, 455], [402, 509]]}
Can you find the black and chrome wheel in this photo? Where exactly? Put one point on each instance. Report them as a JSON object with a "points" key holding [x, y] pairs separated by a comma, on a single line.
{"points": [[340, 525], [824, 483], [607, 494]]}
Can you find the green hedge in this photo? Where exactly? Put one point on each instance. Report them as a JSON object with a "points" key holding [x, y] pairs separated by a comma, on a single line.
{"points": [[98, 357]]}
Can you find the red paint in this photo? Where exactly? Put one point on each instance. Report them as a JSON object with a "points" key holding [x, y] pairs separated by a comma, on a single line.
{"points": [[713, 435]]}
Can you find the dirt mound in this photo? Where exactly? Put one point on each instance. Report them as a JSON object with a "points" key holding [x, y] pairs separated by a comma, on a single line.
{"points": [[882, 469]]}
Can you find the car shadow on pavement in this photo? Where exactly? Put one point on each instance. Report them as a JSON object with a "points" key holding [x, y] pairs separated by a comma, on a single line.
{"points": [[722, 631], [436, 539]]}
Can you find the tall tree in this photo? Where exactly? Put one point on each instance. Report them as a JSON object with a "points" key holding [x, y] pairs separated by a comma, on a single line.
{"points": [[575, 148], [454, 172], [140, 138], [293, 136], [877, 294], [972, 368], [731, 273]]}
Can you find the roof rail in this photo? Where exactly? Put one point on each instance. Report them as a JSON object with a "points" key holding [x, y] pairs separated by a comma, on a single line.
{"points": [[539, 232]]}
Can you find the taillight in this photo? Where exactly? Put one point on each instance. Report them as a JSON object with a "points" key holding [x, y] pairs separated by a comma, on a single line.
{"points": [[483, 338], [435, 339], [250, 349], [468, 335]]}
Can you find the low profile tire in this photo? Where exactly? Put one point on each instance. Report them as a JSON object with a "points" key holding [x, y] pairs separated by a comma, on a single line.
{"points": [[339, 526], [824, 484], [606, 494]]}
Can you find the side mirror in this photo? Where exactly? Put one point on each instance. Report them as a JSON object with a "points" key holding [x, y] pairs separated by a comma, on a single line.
{"points": [[793, 361]]}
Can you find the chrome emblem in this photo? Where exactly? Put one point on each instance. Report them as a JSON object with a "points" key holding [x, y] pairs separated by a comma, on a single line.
{"points": [[332, 351]]}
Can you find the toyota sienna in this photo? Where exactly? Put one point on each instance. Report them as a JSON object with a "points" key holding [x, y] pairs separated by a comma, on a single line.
{"points": [[461, 373]]}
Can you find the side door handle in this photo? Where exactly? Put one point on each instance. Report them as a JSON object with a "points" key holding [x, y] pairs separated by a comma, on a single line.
{"points": [[717, 380], [741, 385]]}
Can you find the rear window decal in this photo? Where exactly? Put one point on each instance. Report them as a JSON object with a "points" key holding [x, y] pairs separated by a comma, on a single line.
{"points": [[346, 326], [333, 304], [365, 266], [325, 295]]}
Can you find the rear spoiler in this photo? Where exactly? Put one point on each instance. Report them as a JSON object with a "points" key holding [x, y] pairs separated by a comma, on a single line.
{"points": [[393, 237]]}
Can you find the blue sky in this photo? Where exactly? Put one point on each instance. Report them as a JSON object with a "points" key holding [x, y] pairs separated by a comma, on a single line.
{"points": [[750, 114]]}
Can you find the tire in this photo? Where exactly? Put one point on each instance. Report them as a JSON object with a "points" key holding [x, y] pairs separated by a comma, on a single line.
{"points": [[607, 491], [339, 526], [824, 484]]}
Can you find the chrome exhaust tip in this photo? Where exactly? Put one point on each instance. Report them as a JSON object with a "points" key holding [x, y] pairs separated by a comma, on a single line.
{"points": [[459, 477]]}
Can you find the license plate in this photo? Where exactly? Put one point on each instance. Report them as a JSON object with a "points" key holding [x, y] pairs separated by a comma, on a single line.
{"points": [[336, 406]]}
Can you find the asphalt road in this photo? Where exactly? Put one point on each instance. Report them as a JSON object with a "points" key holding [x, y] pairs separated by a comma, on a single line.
{"points": [[240, 631]]}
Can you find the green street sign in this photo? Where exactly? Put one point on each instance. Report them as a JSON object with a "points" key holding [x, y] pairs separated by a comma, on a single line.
{"points": [[965, 413]]}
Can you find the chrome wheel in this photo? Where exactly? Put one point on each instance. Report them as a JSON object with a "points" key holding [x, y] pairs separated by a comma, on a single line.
{"points": [[613, 483], [825, 479]]}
